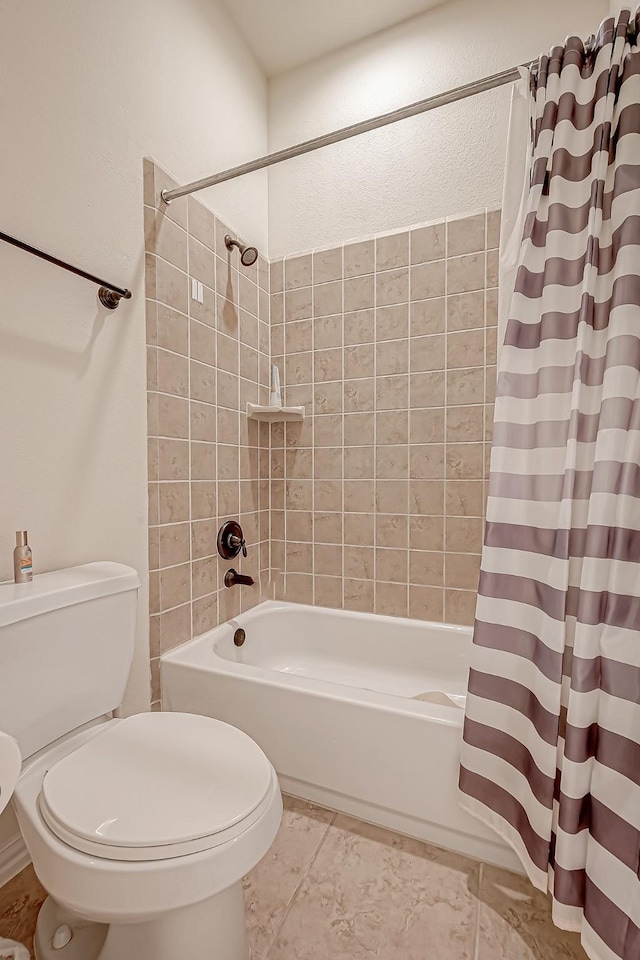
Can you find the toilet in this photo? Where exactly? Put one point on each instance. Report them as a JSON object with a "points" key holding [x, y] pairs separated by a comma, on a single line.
{"points": [[140, 829]]}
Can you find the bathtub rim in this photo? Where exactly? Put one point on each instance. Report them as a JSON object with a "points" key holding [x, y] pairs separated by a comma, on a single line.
{"points": [[190, 654]]}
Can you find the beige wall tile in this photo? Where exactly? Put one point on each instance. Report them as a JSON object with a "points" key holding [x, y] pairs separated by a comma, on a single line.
{"points": [[359, 361], [426, 533], [358, 595], [392, 322], [427, 389], [426, 425], [202, 264], [203, 500], [173, 544], [493, 229], [465, 349], [464, 498], [392, 392], [426, 603], [465, 424], [298, 304], [392, 530], [426, 461], [359, 395], [327, 397], [359, 463], [201, 223], [326, 466], [466, 235], [391, 599], [359, 258], [463, 571], [359, 496], [175, 586], [392, 251], [359, 529], [360, 429], [327, 364], [392, 286], [276, 276], [173, 460], [391, 565], [327, 527], [392, 356], [459, 606], [327, 265], [171, 286], [392, 462], [205, 614], [466, 273], [328, 332], [465, 386], [427, 353], [392, 427], [427, 317], [359, 293], [464, 461], [175, 627], [328, 592], [173, 500], [426, 568], [463, 535], [172, 330], [428, 280], [428, 243], [359, 326], [327, 299], [298, 272], [426, 497]]}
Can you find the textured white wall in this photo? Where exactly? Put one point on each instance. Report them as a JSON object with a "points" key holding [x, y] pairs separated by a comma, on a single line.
{"points": [[442, 163], [86, 90]]}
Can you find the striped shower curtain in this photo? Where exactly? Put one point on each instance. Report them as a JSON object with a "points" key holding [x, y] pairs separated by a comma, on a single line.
{"points": [[551, 751]]}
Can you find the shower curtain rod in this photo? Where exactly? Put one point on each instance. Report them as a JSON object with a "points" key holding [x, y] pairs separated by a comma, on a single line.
{"points": [[354, 130]]}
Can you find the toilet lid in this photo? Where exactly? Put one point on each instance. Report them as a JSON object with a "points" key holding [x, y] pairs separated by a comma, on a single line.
{"points": [[157, 785]]}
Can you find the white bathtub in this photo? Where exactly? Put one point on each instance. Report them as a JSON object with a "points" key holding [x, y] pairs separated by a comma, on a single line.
{"points": [[328, 696]]}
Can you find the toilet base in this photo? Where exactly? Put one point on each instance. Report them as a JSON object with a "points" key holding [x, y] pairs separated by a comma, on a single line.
{"points": [[213, 929]]}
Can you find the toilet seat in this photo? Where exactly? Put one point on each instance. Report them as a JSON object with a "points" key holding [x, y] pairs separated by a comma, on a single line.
{"points": [[157, 786]]}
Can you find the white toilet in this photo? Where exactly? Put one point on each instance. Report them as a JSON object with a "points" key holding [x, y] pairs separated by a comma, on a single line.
{"points": [[139, 829]]}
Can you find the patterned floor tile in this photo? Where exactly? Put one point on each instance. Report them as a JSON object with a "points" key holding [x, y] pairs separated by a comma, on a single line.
{"points": [[371, 893]]}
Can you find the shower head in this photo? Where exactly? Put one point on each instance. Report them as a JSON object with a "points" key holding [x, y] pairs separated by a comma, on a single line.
{"points": [[248, 255]]}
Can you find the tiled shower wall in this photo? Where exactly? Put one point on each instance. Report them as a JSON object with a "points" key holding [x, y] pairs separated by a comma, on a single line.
{"points": [[206, 461], [377, 498]]}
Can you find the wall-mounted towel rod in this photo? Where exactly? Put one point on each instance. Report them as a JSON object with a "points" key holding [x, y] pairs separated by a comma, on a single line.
{"points": [[108, 294]]}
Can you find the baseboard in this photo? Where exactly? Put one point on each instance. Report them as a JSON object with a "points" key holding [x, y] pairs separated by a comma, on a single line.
{"points": [[14, 857]]}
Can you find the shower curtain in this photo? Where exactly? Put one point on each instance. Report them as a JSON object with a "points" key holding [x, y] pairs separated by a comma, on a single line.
{"points": [[551, 751]]}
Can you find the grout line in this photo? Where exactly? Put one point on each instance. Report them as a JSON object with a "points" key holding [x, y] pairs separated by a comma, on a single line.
{"points": [[190, 449], [303, 877], [476, 948]]}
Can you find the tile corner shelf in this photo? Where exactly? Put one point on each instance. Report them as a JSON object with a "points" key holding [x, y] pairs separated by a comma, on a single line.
{"points": [[274, 414]]}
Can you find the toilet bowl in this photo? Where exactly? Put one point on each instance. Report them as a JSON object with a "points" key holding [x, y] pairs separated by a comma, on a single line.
{"points": [[139, 829]]}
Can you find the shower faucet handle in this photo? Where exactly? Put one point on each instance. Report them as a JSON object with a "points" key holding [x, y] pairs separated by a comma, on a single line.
{"points": [[231, 540], [240, 543]]}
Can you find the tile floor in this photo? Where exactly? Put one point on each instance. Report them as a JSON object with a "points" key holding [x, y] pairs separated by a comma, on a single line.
{"points": [[334, 888]]}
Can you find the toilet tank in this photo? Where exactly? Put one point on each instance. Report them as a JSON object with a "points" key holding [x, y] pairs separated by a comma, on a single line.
{"points": [[66, 646]]}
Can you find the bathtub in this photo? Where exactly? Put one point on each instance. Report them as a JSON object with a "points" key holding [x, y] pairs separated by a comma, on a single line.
{"points": [[330, 696]]}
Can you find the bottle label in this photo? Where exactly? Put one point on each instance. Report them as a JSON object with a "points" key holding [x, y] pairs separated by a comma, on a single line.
{"points": [[26, 564]]}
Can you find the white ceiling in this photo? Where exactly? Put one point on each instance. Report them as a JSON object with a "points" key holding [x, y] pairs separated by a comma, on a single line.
{"points": [[287, 33]]}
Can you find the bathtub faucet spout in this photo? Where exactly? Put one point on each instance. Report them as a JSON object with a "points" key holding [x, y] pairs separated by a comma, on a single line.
{"points": [[233, 578]]}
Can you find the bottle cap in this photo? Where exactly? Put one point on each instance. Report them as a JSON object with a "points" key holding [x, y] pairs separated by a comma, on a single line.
{"points": [[21, 538]]}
